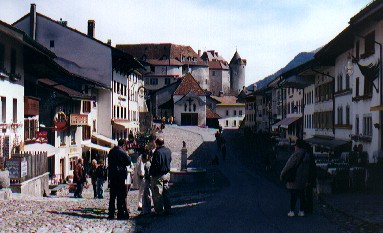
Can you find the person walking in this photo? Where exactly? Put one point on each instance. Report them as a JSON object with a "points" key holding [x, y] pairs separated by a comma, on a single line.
{"points": [[138, 177], [297, 167], [311, 183], [101, 174], [159, 173], [79, 178], [93, 176], [118, 160], [147, 195]]}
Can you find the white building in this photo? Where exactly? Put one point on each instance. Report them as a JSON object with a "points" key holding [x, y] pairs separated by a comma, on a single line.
{"points": [[232, 112]]}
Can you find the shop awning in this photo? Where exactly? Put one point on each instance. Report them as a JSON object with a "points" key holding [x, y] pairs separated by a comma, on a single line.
{"points": [[95, 146], [44, 147], [104, 138], [326, 143], [285, 122]]}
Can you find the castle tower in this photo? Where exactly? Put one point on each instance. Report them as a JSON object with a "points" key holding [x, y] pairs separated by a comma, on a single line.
{"points": [[237, 73]]}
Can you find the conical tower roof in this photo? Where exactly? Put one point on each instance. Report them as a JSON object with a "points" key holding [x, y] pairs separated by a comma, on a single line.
{"points": [[236, 57]]}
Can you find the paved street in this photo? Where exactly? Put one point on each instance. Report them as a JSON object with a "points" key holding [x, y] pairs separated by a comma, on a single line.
{"points": [[249, 203]]}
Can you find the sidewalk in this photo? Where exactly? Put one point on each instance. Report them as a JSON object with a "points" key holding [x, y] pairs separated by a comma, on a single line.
{"points": [[362, 208]]}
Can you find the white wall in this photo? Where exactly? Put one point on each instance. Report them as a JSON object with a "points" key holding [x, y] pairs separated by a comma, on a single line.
{"points": [[221, 111], [179, 108], [309, 130]]}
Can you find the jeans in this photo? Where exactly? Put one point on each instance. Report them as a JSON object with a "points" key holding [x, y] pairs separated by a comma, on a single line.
{"points": [[160, 192], [295, 194], [100, 188]]}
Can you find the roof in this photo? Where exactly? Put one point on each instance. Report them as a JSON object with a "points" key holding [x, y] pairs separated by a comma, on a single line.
{"points": [[218, 65], [285, 122], [227, 100], [210, 114], [212, 55], [64, 90], [118, 55], [373, 9], [237, 59], [327, 143], [168, 62], [163, 51], [188, 84]]}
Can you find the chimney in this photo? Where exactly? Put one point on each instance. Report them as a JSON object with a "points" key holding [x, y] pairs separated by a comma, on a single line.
{"points": [[109, 42], [199, 52], [32, 21], [91, 28], [220, 94]]}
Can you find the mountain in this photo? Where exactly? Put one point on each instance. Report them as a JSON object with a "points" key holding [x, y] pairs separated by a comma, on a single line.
{"points": [[298, 60]]}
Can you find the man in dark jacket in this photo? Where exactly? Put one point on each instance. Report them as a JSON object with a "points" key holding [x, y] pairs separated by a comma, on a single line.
{"points": [[118, 159], [159, 173], [79, 178]]}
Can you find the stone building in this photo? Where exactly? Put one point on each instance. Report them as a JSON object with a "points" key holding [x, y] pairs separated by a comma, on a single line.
{"points": [[219, 73], [237, 73]]}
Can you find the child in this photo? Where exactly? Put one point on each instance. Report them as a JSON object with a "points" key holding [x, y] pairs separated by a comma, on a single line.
{"points": [[101, 175]]}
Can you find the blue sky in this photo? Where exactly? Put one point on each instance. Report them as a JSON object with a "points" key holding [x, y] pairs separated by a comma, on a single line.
{"points": [[268, 33]]}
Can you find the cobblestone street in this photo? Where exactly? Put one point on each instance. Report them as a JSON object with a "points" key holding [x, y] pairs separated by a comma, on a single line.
{"points": [[23, 213]]}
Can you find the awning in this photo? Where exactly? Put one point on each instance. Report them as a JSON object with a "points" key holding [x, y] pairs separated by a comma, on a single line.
{"points": [[285, 122], [105, 139], [95, 146], [327, 143], [44, 147], [127, 125]]}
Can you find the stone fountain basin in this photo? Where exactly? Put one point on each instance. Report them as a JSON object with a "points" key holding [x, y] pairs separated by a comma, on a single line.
{"points": [[190, 175]]}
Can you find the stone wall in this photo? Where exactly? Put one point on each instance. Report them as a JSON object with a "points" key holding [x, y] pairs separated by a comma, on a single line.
{"points": [[34, 187]]}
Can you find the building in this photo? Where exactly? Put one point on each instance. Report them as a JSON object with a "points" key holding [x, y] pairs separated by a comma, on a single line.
{"points": [[237, 73], [219, 73], [232, 112], [166, 62]]}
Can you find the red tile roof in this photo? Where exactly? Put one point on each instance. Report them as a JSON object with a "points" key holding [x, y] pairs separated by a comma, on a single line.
{"points": [[226, 100], [210, 114], [188, 84], [218, 65], [166, 51]]}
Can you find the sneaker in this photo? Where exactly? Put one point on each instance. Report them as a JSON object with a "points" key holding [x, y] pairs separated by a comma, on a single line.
{"points": [[301, 213], [291, 214]]}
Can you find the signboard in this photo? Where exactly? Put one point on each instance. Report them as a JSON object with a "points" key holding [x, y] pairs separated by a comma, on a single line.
{"points": [[24, 168], [78, 119], [13, 166]]}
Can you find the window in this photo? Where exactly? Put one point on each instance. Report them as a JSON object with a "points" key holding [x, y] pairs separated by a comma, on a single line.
{"points": [[118, 112], [213, 73], [153, 81], [206, 81], [73, 136], [240, 112], [114, 86], [369, 44], [85, 132], [51, 44], [13, 61], [367, 87], [235, 112], [94, 126], [227, 112], [347, 115], [2, 54], [62, 135], [227, 123], [339, 80], [357, 86], [167, 81], [3, 109], [357, 49], [86, 106], [347, 81], [367, 125], [340, 117], [234, 123], [14, 110], [357, 125], [114, 111], [30, 128]]}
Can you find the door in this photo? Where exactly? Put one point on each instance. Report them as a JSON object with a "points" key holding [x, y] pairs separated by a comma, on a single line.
{"points": [[189, 118]]}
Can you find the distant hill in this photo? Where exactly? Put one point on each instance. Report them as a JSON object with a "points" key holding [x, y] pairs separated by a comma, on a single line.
{"points": [[298, 60]]}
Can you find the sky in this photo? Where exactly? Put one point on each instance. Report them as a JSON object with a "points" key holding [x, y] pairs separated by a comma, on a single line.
{"points": [[267, 33]]}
